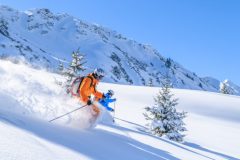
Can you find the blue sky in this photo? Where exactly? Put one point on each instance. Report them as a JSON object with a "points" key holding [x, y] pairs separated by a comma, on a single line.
{"points": [[202, 35]]}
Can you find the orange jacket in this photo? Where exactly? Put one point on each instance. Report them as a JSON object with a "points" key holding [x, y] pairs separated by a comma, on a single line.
{"points": [[88, 87]]}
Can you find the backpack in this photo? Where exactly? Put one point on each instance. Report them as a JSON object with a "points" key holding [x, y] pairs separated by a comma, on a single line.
{"points": [[76, 84]]}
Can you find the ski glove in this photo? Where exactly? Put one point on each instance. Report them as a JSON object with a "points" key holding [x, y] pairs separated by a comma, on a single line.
{"points": [[89, 102], [103, 96], [112, 110]]}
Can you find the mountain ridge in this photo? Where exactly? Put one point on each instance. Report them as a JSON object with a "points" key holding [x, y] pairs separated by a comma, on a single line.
{"points": [[43, 38]]}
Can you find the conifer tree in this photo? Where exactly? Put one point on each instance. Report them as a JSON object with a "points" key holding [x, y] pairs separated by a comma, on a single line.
{"points": [[77, 62], [60, 70], [224, 88], [163, 117], [150, 82], [76, 66], [60, 67]]}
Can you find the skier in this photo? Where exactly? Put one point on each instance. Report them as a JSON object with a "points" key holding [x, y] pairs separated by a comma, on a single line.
{"points": [[88, 88], [105, 102]]}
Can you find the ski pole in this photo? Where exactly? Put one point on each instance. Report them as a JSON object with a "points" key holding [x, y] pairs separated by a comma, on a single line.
{"points": [[67, 113]]}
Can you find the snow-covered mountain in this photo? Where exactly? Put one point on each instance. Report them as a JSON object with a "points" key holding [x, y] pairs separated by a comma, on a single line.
{"points": [[44, 38], [30, 97]]}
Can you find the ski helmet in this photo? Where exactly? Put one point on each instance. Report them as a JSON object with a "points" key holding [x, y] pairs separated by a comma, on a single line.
{"points": [[99, 73], [110, 92]]}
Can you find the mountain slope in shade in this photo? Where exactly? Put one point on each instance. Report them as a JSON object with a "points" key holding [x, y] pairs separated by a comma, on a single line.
{"points": [[43, 38]]}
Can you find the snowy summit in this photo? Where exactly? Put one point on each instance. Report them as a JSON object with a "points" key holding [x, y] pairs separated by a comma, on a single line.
{"points": [[45, 38]]}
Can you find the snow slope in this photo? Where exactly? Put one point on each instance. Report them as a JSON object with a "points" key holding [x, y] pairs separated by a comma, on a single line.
{"points": [[43, 38], [30, 97]]}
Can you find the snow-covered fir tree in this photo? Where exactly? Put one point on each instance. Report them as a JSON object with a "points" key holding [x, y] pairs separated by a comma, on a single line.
{"points": [[163, 116], [75, 68], [60, 68], [224, 88], [150, 82], [77, 62], [61, 71]]}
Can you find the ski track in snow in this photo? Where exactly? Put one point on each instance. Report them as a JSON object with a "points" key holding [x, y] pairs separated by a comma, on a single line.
{"points": [[29, 98]]}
